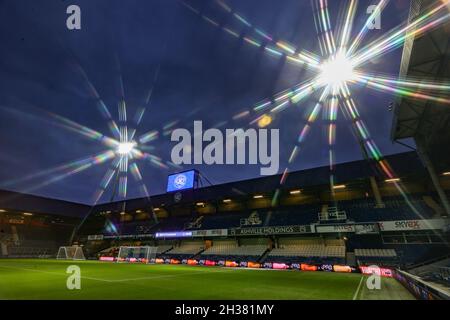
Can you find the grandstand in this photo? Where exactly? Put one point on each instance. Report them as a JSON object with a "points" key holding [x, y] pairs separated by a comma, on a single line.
{"points": [[365, 222], [33, 226], [185, 249], [303, 227], [318, 251]]}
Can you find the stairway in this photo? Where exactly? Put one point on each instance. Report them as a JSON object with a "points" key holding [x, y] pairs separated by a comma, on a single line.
{"points": [[350, 259], [197, 255], [263, 257]]}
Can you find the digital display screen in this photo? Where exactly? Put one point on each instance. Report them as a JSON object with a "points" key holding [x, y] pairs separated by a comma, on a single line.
{"points": [[181, 181]]}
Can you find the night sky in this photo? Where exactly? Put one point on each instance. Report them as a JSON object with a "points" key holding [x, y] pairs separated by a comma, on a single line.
{"points": [[205, 74]]}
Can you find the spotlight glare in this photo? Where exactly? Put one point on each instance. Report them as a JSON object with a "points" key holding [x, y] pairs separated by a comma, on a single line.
{"points": [[337, 70], [125, 148], [264, 121]]}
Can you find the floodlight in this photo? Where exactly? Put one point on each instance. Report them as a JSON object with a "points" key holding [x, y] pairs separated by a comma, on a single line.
{"points": [[336, 70], [125, 148]]}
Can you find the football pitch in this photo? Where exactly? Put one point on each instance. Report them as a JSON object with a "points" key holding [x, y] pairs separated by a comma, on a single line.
{"points": [[46, 279]]}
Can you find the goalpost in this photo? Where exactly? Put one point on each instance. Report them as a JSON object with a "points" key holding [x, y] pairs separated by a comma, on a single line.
{"points": [[70, 253], [143, 254]]}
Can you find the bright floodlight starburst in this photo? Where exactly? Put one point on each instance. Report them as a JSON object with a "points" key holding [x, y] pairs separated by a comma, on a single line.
{"points": [[340, 64], [126, 148], [336, 71]]}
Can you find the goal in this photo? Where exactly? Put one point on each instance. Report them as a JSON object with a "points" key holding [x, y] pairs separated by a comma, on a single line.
{"points": [[70, 253], [143, 254]]}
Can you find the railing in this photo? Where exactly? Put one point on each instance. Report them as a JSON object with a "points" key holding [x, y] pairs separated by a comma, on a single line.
{"points": [[421, 289]]}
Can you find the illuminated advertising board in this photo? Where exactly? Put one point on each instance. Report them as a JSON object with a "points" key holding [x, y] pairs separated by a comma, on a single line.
{"points": [[253, 265], [338, 268], [280, 266], [106, 259], [326, 267], [308, 267], [232, 264], [174, 234], [181, 181], [384, 272], [210, 263]]}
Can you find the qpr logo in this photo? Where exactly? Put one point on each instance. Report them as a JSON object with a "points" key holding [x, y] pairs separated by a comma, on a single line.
{"points": [[177, 197], [180, 181]]}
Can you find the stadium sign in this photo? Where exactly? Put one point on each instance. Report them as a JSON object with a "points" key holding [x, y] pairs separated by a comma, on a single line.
{"points": [[367, 228], [409, 225], [270, 230], [359, 228], [335, 228], [210, 233]]}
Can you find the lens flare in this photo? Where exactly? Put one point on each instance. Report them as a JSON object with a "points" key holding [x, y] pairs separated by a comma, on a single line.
{"points": [[337, 70], [125, 148], [340, 64]]}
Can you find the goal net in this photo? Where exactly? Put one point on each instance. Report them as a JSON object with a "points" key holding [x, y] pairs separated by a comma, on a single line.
{"points": [[137, 254], [70, 253]]}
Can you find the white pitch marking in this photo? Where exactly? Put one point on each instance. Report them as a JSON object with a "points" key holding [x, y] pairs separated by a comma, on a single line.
{"points": [[357, 289]]}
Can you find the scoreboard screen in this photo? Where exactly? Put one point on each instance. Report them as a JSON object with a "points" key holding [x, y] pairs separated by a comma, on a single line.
{"points": [[181, 181]]}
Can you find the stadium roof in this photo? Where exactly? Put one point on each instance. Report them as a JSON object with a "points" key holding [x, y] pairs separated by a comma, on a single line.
{"points": [[19, 202], [405, 164], [426, 121]]}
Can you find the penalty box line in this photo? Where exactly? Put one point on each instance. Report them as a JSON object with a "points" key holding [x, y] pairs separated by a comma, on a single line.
{"points": [[355, 296]]}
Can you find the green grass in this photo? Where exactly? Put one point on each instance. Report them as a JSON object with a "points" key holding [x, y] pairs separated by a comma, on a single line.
{"points": [[46, 279]]}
